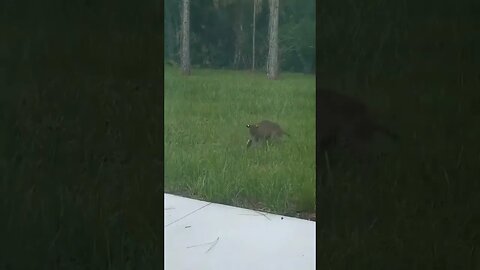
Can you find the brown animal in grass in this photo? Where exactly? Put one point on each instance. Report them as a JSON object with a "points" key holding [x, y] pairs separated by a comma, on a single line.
{"points": [[264, 131]]}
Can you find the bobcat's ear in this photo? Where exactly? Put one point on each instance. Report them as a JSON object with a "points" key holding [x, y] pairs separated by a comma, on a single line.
{"points": [[257, 125], [248, 126]]}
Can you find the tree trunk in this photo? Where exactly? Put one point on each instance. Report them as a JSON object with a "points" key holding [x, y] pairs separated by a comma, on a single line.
{"points": [[272, 61], [257, 7], [253, 35], [185, 51], [239, 37], [169, 37]]}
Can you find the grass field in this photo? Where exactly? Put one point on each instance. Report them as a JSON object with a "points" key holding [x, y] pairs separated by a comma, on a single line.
{"points": [[80, 169], [81, 182], [419, 198], [417, 206], [205, 139]]}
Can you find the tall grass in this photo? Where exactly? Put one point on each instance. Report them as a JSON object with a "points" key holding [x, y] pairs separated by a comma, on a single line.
{"points": [[80, 174], [205, 139], [417, 206]]}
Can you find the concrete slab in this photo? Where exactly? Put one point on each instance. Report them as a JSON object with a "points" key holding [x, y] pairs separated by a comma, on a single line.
{"points": [[203, 235]]}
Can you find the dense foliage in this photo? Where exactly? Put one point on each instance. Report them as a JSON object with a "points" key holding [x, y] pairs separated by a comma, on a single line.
{"points": [[221, 34]]}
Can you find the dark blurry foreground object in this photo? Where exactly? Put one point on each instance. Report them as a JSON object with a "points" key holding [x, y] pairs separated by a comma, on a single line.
{"points": [[346, 122]]}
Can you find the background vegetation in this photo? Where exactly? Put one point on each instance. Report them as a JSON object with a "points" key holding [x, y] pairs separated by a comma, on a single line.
{"points": [[221, 34]]}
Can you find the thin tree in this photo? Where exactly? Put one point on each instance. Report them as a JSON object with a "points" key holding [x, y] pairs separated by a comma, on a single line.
{"points": [[272, 60], [256, 9], [238, 20], [185, 49]]}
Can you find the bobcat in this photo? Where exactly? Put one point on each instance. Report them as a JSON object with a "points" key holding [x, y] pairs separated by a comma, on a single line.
{"points": [[264, 131]]}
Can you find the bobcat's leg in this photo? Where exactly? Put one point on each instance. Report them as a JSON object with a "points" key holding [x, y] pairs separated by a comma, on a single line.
{"points": [[249, 143]]}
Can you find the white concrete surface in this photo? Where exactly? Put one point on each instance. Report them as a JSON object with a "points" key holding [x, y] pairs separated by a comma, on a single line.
{"points": [[205, 236]]}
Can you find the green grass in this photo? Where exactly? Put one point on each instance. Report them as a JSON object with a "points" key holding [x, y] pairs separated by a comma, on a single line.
{"points": [[81, 186], [205, 139], [418, 205], [80, 179]]}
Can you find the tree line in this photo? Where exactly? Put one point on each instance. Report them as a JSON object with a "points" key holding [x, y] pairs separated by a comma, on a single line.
{"points": [[240, 34]]}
